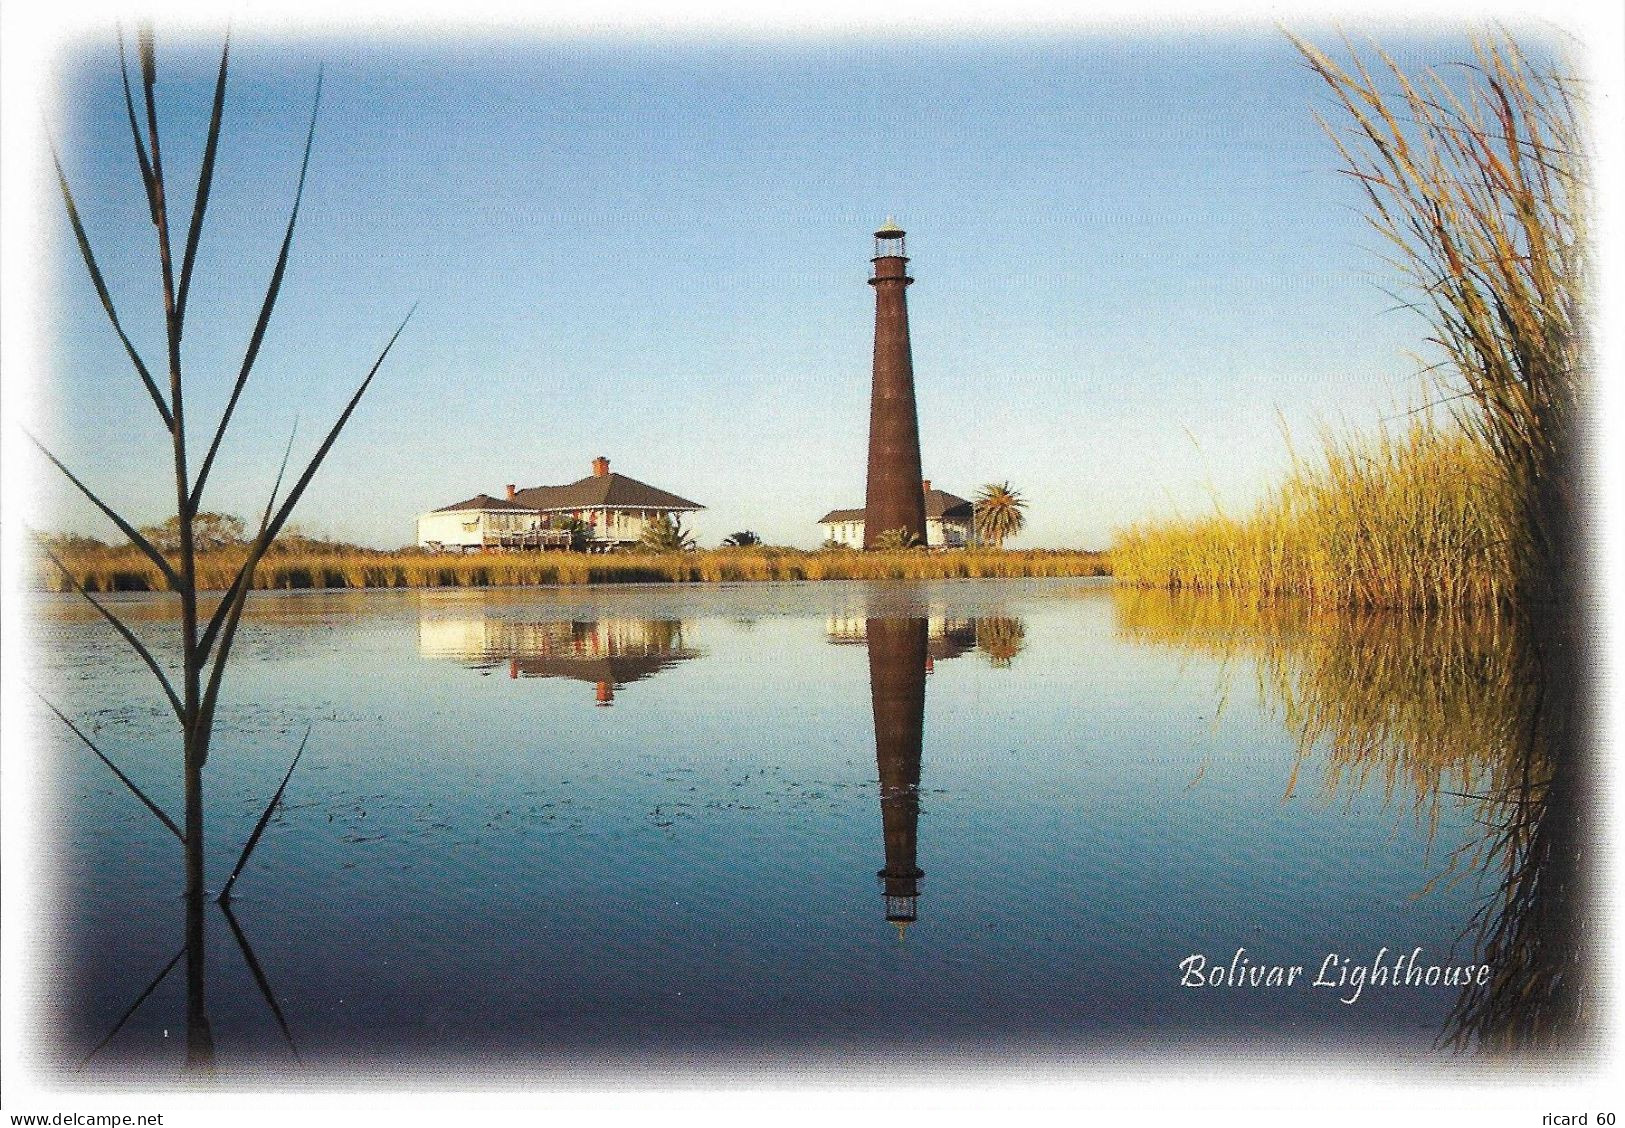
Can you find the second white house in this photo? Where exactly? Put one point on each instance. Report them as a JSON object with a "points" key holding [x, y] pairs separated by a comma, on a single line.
{"points": [[949, 521]]}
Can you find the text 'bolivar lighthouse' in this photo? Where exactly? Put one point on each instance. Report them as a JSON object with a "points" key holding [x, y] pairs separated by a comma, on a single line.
{"points": [[893, 500]]}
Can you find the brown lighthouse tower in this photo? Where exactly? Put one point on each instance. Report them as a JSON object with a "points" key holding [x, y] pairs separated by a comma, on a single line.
{"points": [[894, 499]]}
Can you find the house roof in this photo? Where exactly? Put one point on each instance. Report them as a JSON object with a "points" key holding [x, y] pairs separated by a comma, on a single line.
{"points": [[938, 503], [616, 491], [941, 503], [837, 515], [617, 669], [482, 501]]}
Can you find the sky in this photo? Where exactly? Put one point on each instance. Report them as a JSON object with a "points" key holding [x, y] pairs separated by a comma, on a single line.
{"points": [[1138, 271]]}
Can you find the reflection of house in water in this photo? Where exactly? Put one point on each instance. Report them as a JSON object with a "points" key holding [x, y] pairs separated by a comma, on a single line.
{"points": [[609, 653], [945, 637], [999, 637]]}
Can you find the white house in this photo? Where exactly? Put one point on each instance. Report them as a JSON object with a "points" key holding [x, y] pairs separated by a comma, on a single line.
{"points": [[614, 509], [479, 522], [948, 521]]}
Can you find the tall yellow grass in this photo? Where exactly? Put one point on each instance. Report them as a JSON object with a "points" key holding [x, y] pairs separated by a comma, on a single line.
{"points": [[1418, 519], [120, 570]]}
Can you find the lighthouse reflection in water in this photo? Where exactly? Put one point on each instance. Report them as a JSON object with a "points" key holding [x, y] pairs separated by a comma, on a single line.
{"points": [[897, 667]]}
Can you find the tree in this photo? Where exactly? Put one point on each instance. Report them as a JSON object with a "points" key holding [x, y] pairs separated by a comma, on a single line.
{"points": [[579, 530], [895, 540], [833, 545], [744, 539], [665, 533], [205, 635], [65, 544], [210, 532], [998, 513]]}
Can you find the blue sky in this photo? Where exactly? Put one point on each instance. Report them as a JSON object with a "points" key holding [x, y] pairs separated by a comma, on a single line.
{"points": [[1135, 259]]}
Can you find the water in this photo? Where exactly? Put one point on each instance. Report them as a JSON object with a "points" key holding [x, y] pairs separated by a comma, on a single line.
{"points": [[878, 828]]}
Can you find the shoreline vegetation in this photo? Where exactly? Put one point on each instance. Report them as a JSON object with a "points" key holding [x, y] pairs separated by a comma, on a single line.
{"points": [[1420, 520], [1481, 196], [114, 569]]}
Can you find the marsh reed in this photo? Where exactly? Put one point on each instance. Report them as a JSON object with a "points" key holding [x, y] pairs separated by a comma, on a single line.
{"points": [[1479, 189]]}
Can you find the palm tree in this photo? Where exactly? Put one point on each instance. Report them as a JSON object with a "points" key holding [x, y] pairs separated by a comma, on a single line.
{"points": [[1001, 638], [666, 534], [743, 539], [895, 540], [998, 513]]}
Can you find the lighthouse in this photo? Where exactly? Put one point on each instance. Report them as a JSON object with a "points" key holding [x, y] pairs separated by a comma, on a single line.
{"points": [[893, 500]]}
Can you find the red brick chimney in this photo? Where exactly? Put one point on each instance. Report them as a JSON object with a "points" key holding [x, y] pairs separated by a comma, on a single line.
{"points": [[511, 491], [600, 467], [925, 485]]}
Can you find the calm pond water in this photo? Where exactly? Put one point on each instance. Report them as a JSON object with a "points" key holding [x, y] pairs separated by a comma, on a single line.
{"points": [[874, 827]]}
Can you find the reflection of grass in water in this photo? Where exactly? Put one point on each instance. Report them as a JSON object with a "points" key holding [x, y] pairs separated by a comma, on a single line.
{"points": [[1440, 705], [1434, 703], [1529, 932]]}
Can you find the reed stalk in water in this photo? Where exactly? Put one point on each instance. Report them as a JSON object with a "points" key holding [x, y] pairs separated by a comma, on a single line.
{"points": [[205, 635]]}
